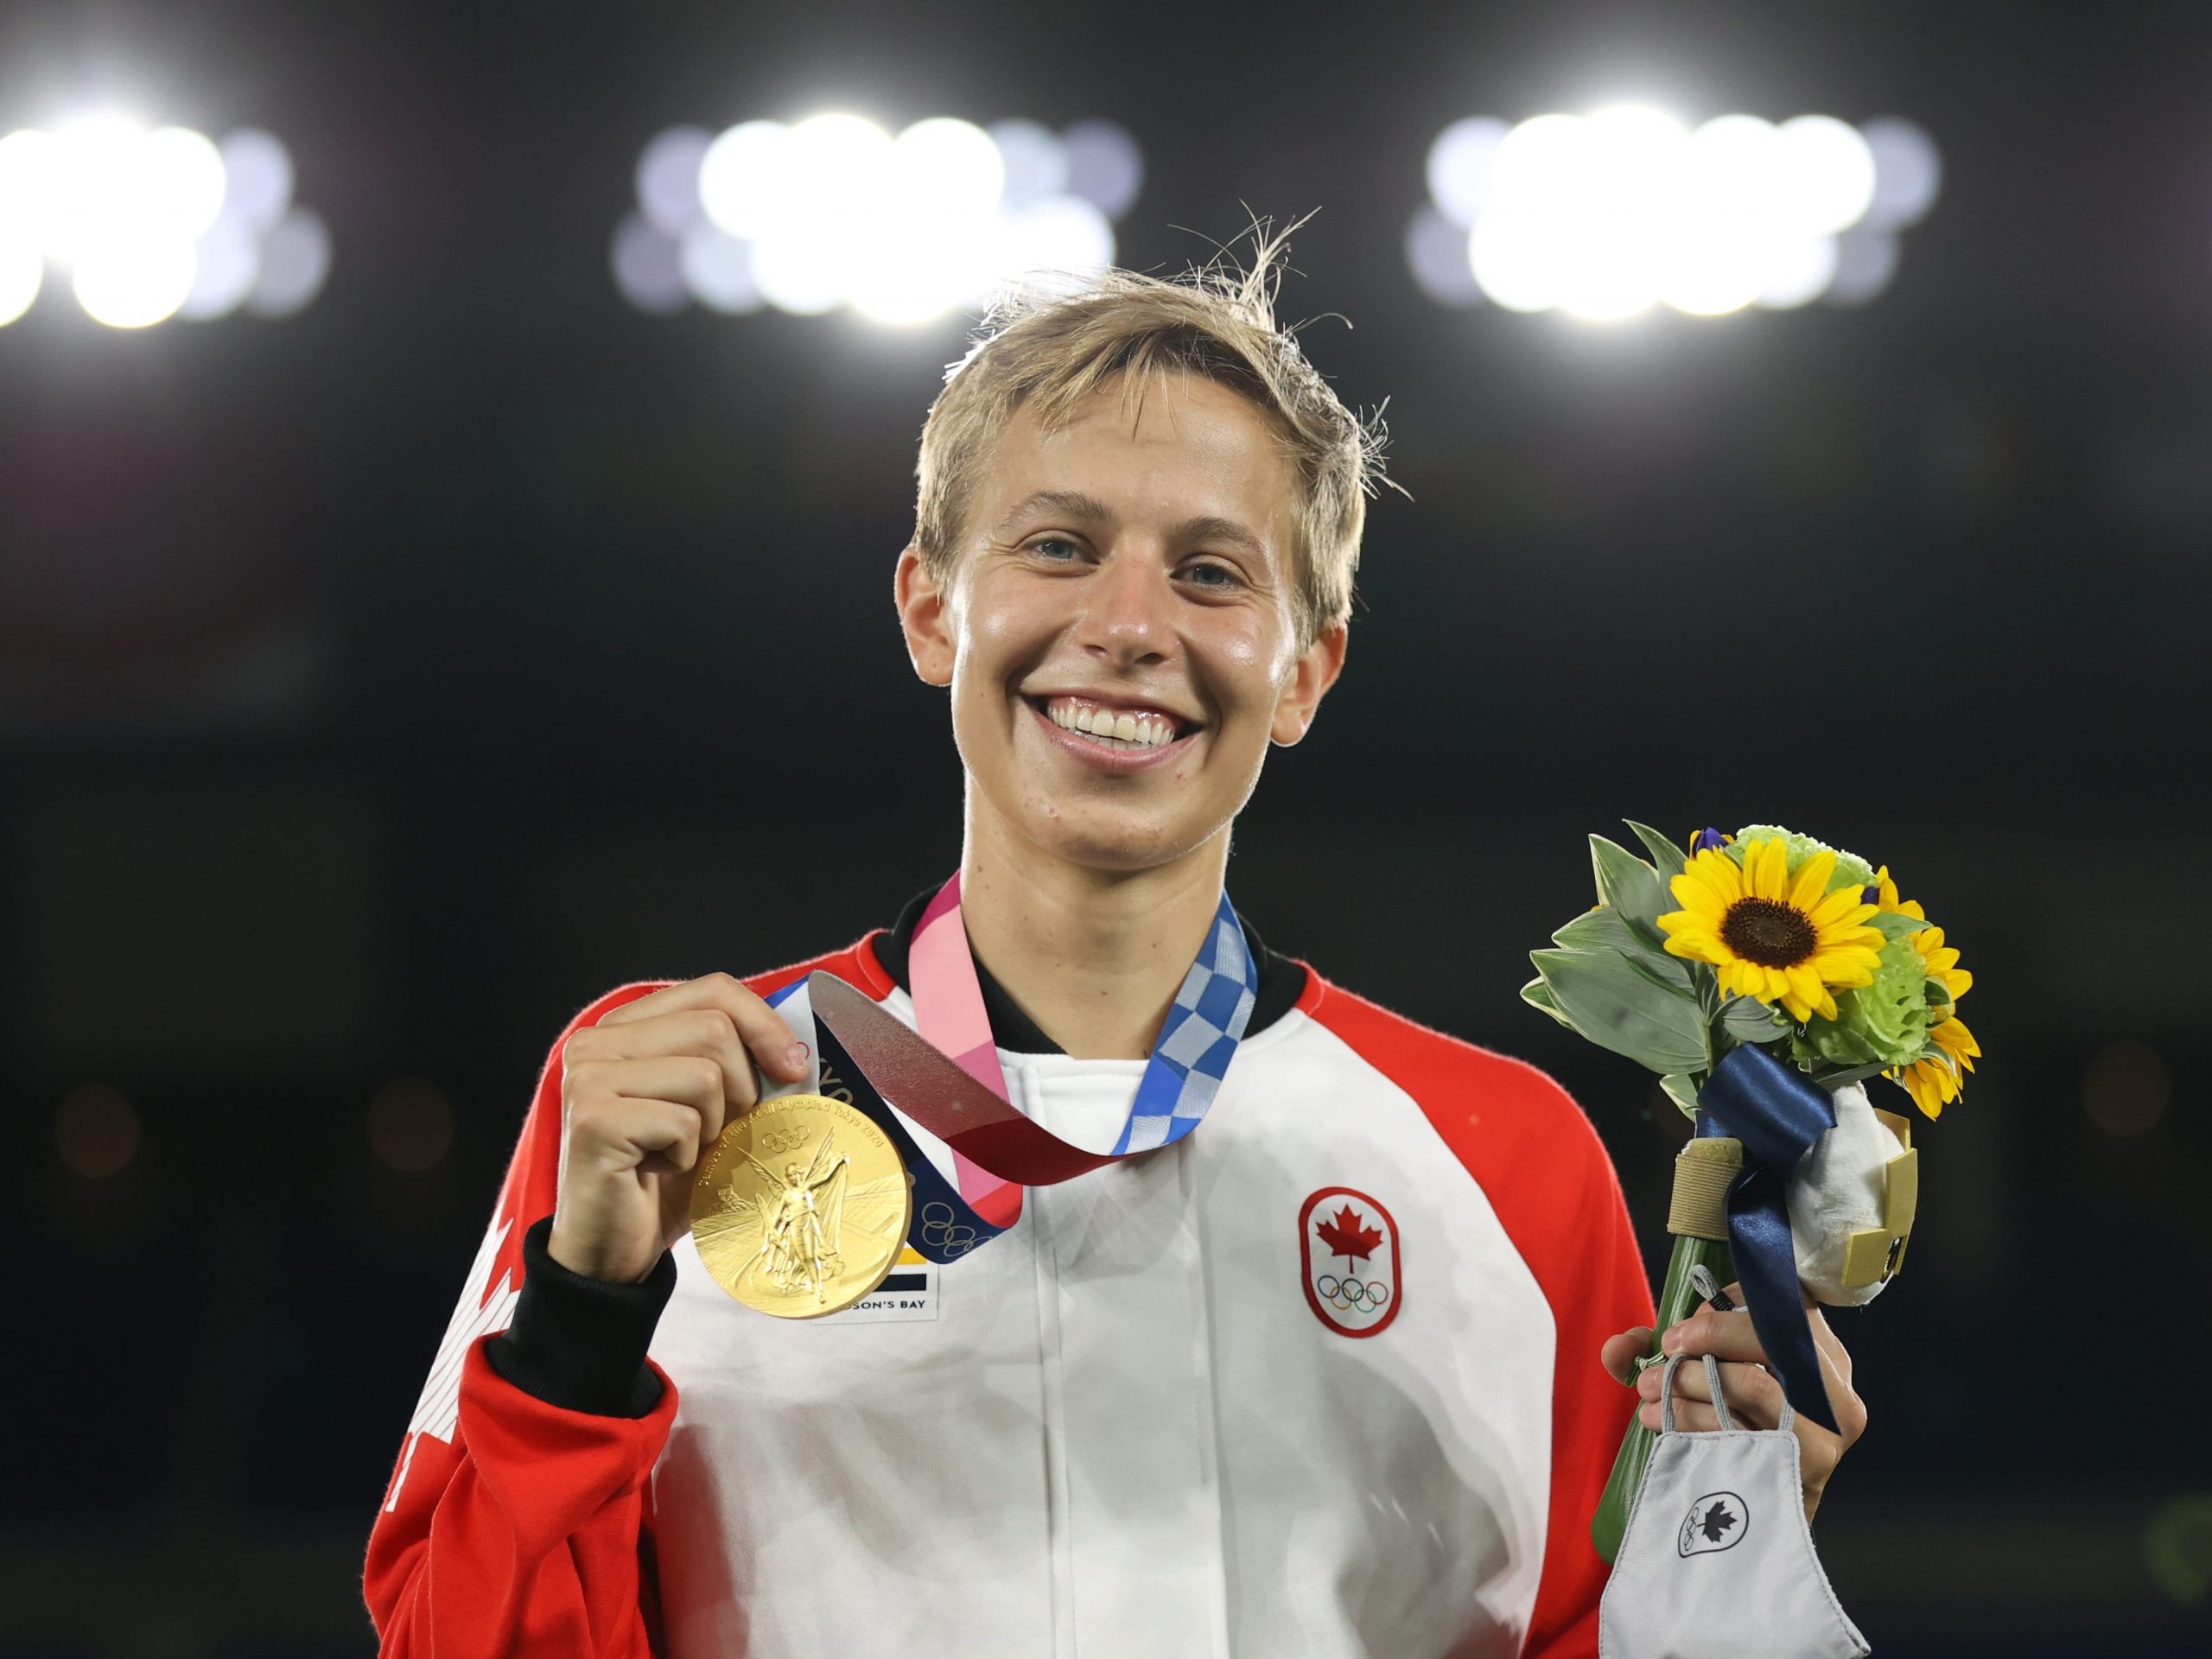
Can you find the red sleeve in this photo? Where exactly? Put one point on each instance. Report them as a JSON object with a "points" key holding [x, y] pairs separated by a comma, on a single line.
{"points": [[511, 1526], [1539, 1162]]}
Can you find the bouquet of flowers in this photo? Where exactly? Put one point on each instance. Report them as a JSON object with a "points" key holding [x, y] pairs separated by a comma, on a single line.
{"points": [[1766, 976]]}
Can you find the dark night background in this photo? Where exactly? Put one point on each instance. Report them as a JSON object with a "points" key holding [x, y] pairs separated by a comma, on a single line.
{"points": [[378, 685]]}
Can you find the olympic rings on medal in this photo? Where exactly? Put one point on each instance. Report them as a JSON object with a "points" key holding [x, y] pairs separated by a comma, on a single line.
{"points": [[1366, 1295], [941, 1232]]}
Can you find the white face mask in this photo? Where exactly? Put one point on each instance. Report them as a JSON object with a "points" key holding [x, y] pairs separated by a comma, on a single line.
{"points": [[1717, 1560]]}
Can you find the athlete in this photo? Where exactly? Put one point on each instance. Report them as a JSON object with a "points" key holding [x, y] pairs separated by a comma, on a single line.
{"points": [[1325, 1371]]}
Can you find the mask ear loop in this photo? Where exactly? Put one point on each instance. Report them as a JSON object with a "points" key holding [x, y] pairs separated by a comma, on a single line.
{"points": [[1712, 1386], [1719, 1404]]}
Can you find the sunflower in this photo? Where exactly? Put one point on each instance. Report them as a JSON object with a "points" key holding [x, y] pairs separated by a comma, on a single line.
{"points": [[1933, 1083], [1937, 960], [1773, 939]]}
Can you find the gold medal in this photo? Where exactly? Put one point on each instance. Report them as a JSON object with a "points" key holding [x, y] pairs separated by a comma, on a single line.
{"points": [[800, 1206]]}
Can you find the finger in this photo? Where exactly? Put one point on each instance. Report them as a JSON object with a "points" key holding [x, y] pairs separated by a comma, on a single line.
{"points": [[1824, 1337], [670, 1136], [1689, 1382], [1620, 1353], [1835, 1377], [760, 1027], [1691, 1416], [1695, 1416], [1708, 1330], [706, 1033], [607, 1095], [1835, 1358], [1753, 1396]]}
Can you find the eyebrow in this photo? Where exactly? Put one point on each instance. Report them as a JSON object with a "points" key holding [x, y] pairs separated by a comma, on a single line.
{"points": [[1073, 504], [1087, 509], [1215, 529]]}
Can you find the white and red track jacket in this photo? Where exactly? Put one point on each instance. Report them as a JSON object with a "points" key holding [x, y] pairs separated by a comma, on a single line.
{"points": [[1150, 1421]]}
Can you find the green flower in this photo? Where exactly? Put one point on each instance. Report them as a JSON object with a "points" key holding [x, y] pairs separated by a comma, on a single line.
{"points": [[1851, 870], [1887, 1021]]}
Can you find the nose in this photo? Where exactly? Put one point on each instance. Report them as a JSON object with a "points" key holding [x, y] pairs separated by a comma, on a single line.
{"points": [[1128, 619]]}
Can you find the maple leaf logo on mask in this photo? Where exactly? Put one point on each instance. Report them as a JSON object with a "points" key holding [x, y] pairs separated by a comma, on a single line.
{"points": [[1716, 1524], [1347, 1234]]}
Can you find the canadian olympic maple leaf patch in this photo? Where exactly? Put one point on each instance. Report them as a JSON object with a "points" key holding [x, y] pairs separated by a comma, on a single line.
{"points": [[1716, 1522], [1347, 1260]]}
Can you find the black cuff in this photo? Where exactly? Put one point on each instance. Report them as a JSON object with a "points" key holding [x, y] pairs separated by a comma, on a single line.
{"points": [[580, 1343]]}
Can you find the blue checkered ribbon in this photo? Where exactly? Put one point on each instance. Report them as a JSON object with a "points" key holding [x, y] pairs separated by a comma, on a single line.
{"points": [[1198, 1039]]}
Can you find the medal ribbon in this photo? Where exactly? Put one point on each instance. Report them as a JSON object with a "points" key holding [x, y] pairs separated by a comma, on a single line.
{"points": [[1189, 1057], [949, 1011], [947, 1078], [944, 1228]]}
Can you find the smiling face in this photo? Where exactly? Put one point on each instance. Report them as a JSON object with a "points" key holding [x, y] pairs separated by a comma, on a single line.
{"points": [[1118, 629]]}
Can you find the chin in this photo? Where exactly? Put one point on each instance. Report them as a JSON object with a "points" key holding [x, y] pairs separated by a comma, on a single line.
{"points": [[1109, 839]]}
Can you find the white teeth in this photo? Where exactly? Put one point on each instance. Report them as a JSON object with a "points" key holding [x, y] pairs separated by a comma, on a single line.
{"points": [[1105, 726]]}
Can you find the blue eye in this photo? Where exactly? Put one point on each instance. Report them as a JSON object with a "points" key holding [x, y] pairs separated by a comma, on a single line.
{"points": [[1210, 576], [1044, 545]]}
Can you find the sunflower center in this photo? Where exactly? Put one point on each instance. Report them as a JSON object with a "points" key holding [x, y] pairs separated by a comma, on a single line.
{"points": [[1769, 932]]}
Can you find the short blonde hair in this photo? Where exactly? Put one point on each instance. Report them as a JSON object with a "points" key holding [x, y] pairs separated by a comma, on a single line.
{"points": [[1048, 351]]}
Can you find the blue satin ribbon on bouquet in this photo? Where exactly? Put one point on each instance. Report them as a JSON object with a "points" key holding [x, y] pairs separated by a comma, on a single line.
{"points": [[1777, 1112]]}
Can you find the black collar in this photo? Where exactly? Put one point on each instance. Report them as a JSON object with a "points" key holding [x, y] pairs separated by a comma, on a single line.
{"points": [[1282, 982]]}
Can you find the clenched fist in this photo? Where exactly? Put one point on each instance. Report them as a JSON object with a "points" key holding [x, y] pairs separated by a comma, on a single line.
{"points": [[643, 1093]]}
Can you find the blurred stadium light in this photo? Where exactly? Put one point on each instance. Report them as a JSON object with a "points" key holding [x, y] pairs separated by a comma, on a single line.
{"points": [[149, 225], [834, 211], [1607, 215]]}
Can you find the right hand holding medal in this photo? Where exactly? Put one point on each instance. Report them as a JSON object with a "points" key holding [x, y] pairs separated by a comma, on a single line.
{"points": [[643, 1093]]}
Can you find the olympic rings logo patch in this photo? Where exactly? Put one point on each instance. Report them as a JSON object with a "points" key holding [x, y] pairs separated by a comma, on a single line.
{"points": [[942, 1231], [1349, 1261], [1346, 1294]]}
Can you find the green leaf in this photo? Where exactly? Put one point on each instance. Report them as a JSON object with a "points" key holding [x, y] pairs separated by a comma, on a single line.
{"points": [[1682, 1091], [1616, 1008], [1706, 984], [1632, 887], [1747, 1020], [1607, 929], [1667, 858], [1669, 974], [1894, 925], [1537, 994], [1602, 929]]}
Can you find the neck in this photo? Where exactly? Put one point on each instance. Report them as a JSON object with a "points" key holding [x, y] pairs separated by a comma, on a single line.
{"points": [[1094, 956]]}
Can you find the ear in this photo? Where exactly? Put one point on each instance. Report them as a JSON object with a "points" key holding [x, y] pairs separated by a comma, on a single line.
{"points": [[925, 618], [1316, 670]]}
